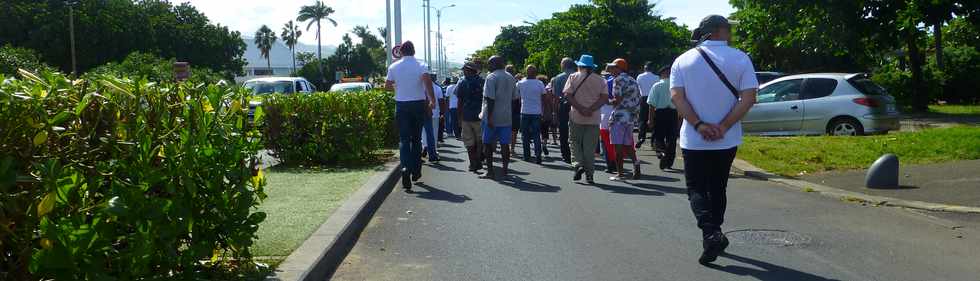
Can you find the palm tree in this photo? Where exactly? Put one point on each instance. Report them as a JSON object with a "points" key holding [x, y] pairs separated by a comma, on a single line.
{"points": [[264, 38], [314, 14], [290, 35]]}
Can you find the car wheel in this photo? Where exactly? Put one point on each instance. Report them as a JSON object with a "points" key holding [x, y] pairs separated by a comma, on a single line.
{"points": [[845, 126]]}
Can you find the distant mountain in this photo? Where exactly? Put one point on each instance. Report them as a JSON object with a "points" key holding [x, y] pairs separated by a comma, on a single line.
{"points": [[280, 54]]}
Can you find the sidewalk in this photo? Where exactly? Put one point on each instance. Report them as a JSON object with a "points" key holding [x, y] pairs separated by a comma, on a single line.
{"points": [[954, 183]]}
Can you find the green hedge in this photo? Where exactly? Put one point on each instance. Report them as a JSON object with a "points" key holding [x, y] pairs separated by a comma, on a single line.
{"points": [[113, 179], [328, 128]]}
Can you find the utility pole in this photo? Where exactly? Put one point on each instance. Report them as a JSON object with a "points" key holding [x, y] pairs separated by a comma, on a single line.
{"points": [[398, 22], [387, 32], [428, 42], [442, 67], [71, 34]]}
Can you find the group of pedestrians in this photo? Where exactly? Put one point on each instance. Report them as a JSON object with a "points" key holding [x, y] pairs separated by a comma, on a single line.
{"points": [[699, 99]]}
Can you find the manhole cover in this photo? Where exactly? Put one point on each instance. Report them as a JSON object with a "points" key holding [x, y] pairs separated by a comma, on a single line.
{"points": [[769, 237]]}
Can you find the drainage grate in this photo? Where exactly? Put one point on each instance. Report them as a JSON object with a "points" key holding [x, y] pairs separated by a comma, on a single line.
{"points": [[768, 237]]}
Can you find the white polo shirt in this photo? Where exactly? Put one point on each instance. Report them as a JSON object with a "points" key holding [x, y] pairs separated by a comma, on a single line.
{"points": [[453, 100], [709, 97], [437, 92], [646, 81], [407, 75]]}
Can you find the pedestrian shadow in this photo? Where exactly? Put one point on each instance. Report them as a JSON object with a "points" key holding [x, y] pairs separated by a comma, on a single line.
{"points": [[658, 178], [556, 166], [449, 159], [521, 184], [769, 271], [661, 188], [433, 193], [444, 168], [627, 190]]}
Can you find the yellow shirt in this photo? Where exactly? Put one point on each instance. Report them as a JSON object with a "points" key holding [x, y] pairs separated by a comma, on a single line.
{"points": [[593, 89]]}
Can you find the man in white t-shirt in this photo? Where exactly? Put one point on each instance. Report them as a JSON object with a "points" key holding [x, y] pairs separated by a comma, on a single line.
{"points": [[531, 91], [713, 86], [646, 80], [414, 101], [452, 117]]}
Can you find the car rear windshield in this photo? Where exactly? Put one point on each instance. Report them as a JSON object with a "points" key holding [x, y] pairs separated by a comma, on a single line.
{"points": [[867, 87], [262, 88]]}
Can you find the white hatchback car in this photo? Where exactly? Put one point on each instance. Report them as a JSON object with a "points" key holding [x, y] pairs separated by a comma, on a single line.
{"points": [[822, 103], [282, 85]]}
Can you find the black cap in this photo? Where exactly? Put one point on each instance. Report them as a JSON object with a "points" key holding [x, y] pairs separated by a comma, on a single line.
{"points": [[712, 22], [664, 69]]}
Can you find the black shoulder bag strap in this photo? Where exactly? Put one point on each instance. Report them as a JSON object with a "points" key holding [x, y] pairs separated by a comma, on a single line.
{"points": [[721, 76], [581, 83]]}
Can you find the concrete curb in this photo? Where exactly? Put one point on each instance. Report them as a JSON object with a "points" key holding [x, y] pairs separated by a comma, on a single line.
{"points": [[326, 248], [750, 170]]}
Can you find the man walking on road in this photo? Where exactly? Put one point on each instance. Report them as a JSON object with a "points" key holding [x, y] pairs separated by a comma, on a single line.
{"points": [[431, 126], [564, 107], [626, 108], [452, 117], [414, 100], [586, 92], [713, 86], [499, 91], [470, 93], [646, 80], [531, 91], [664, 120]]}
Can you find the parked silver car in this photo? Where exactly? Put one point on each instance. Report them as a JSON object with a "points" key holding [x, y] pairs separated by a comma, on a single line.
{"points": [[822, 103]]}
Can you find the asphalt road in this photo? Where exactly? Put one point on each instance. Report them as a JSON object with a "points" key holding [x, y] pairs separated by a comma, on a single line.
{"points": [[538, 225]]}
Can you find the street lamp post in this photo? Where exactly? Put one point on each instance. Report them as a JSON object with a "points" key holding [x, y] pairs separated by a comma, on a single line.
{"points": [[442, 62]]}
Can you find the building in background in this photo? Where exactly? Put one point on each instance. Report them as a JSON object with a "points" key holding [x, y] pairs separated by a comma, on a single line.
{"points": [[280, 56]]}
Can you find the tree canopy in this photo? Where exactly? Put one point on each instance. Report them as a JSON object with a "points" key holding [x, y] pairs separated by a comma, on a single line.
{"points": [[889, 37], [109, 30], [607, 29]]}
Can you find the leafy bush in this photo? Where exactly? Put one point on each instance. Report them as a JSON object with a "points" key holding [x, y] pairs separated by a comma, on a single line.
{"points": [[12, 58], [114, 179], [144, 65], [328, 128]]}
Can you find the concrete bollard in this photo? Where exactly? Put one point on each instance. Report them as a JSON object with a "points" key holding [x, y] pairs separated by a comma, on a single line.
{"points": [[883, 173]]}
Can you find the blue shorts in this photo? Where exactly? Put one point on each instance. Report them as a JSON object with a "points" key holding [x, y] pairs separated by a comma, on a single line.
{"points": [[500, 134]]}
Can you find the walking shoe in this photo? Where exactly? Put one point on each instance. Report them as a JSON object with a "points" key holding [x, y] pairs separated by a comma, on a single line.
{"points": [[589, 179], [538, 161], [578, 174], [417, 177], [712, 248], [616, 178], [406, 181], [724, 243], [636, 171]]}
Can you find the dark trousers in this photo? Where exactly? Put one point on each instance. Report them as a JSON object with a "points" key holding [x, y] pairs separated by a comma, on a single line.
{"points": [[644, 118], [430, 139], [706, 175], [665, 132], [442, 129], [531, 134], [566, 151], [452, 122], [410, 117]]}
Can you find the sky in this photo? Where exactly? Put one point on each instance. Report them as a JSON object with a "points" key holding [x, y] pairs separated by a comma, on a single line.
{"points": [[469, 26]]}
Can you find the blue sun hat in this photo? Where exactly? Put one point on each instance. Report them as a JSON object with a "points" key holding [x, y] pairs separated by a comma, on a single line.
{"points": [[586, 61]]}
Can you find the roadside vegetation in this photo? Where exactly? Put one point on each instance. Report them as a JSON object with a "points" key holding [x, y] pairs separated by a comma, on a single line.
{"points": [[796, 156], [956, 110], [299, 201]]}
